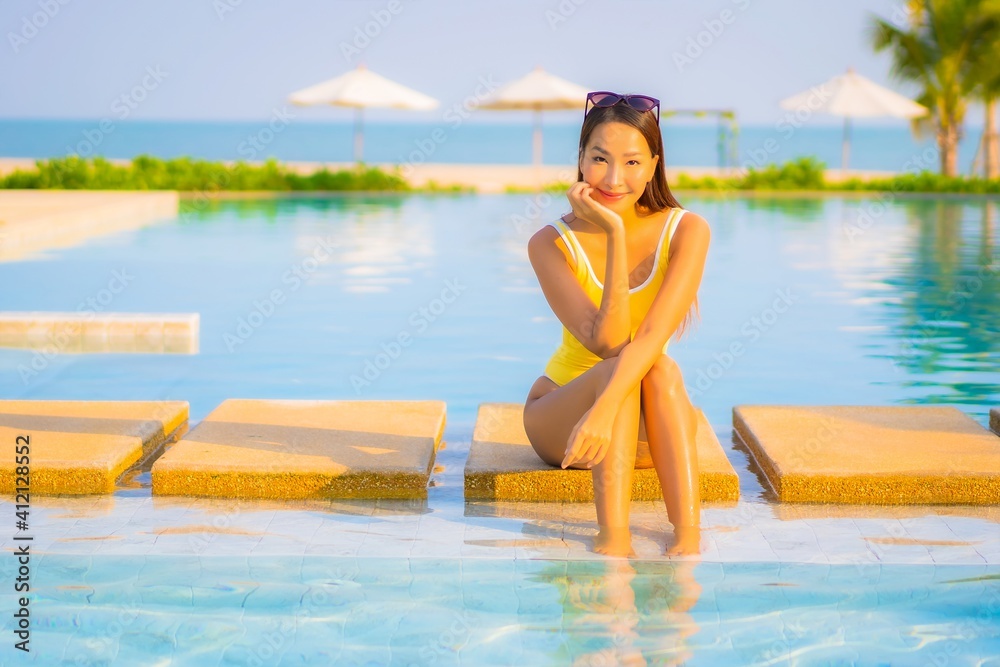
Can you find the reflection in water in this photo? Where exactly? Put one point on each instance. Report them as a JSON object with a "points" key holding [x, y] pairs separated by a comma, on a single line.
{"points": [[207, 206], [945, 318], [622, 612], [807, 209]]}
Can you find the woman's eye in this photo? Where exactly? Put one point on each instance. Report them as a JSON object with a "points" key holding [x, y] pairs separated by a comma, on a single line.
{"points": [[600, 158]]}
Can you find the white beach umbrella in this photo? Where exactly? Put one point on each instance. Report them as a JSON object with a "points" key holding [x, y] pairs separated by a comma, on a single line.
{"points": [[853, 96], [362, 88], [537, 91]]}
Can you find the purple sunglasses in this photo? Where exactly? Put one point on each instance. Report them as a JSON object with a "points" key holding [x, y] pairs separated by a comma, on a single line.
{"points": [[605, 98]]}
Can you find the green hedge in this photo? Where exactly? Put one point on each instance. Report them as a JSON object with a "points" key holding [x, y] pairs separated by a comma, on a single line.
{"points": [[150, 173], [807, 173], [186, 174]]}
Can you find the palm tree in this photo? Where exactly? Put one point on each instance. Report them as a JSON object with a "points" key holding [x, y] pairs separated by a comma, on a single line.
{"points": [[987, 74], [939, 50]]}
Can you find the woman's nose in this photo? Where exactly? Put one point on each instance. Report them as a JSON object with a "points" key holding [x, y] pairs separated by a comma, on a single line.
{"points": [[613, 176]]}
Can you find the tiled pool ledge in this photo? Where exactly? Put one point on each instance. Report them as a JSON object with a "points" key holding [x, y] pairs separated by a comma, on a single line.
{"points": [[33, 221], [448, 527], [89, 332]]}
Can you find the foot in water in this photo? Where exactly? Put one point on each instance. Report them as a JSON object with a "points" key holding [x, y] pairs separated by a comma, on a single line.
{"points": [[687, 541], [614, 542]]}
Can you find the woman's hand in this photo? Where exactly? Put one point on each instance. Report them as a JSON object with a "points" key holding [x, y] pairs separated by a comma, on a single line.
{"points": [[591, 210], [591, 438]]}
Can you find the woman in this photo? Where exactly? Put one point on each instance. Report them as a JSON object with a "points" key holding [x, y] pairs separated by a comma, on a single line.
{"points": [[611, 399]]}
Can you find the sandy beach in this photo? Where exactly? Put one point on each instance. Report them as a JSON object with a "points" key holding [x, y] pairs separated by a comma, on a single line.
{"points": [[485, 178]]}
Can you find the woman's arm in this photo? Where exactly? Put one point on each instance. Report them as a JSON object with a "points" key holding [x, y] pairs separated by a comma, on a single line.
{"points": [[685, 267], [612, 326], [604, 329]]}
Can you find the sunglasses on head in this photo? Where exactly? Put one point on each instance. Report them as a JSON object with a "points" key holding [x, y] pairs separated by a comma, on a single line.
{"points": [[604, 98]]}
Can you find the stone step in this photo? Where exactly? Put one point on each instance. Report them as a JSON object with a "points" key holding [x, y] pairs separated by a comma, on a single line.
{"points": [[502, 465], [81, 447], [258, 448], [872, 454]]}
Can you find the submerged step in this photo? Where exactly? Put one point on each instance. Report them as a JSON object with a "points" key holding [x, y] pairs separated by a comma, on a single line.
{"points": [[89, 332], [258, 448], [34, 221], [872, 454], [80, 447], [502, 465]]}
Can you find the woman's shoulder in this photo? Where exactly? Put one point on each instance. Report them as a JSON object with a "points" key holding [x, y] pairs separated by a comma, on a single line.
{"points": [[550, 239], [690, 225]]}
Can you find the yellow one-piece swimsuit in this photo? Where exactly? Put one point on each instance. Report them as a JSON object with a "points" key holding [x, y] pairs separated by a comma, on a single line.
{"points": [[571, 358]]}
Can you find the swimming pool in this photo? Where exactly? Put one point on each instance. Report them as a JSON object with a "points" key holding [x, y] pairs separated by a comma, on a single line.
{"points": [[880, 303]]}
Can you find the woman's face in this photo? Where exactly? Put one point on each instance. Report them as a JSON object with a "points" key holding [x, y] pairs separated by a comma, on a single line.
{"points": [[617, 161]]}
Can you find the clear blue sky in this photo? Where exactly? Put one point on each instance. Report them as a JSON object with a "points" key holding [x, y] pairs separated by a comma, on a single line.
{"points": [[239, 59]]}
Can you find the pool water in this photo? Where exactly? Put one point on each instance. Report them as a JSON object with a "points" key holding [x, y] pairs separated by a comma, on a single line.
{"points": [[390, 611], [832, 300], [899, 310]]}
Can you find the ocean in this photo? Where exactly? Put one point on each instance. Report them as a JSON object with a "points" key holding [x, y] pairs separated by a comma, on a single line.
{"points": [[873, 147]]}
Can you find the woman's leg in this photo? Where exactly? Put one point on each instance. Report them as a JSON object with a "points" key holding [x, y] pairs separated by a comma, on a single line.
{"points": [[550, 417], [671, 426]]}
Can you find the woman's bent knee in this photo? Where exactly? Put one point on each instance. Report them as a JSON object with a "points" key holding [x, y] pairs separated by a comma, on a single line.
{"points": [[664, 377]]}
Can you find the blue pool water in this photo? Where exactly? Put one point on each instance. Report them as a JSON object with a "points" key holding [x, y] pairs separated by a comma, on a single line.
{"points": [[832, 300], [390, 611], [298, 298]]}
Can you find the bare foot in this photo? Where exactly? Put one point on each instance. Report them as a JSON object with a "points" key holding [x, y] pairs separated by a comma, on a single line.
{"points": [[614, 542], [687, 541]]}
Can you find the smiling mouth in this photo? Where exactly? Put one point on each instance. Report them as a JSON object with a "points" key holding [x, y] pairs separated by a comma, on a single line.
{"points": [[612, 195]]}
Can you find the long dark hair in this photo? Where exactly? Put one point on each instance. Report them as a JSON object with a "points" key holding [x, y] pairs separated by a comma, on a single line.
{"points": [[657, 195]]}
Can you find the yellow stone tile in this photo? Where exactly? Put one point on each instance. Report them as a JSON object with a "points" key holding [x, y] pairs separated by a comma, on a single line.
{"points": [[79, 447], [95, 336], [121, 333], [149, 336], [180, 335], [502, 465], [306, 449], [872, 454]]}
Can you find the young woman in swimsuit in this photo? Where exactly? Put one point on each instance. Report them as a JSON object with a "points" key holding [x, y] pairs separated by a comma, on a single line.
{"points": [[611, 400]]}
